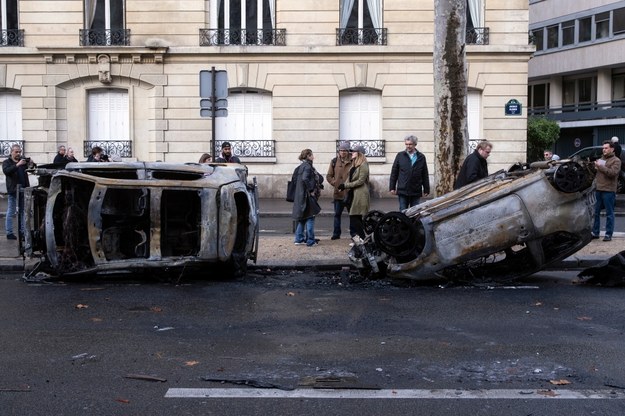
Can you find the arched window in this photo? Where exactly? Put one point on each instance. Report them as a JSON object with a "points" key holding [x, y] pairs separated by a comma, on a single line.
{"points": [[108, 121], [360, 119], [474, 114]]}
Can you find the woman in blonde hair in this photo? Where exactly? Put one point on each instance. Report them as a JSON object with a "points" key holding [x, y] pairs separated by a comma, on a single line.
{"points": [[305, 207], [358, 186]]}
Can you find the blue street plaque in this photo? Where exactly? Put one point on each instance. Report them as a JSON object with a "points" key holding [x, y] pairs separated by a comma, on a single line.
{"points": [[513, 108]]}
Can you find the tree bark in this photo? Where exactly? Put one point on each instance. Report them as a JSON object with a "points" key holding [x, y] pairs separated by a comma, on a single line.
{"points": [[450, 92]]}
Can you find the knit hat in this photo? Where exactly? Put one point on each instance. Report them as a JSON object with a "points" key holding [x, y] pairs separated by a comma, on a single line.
{"points": [[344, 146], [359, 149]]}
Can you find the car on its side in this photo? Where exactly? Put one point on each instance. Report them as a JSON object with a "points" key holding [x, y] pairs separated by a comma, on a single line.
{"points": [[128, 217], [506, 226], [593, 153]]}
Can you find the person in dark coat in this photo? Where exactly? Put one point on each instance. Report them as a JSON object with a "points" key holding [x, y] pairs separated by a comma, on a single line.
{"points": [[69, 156], [60, 156], [226, 154], [474, 166], [410, 179], [14, 168], [305, 206]]}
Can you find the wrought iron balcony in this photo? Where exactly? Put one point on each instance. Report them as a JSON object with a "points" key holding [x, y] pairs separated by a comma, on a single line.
{"points": [[580, 112], [5, 147], [105, 37], [361, 36], [373, 148], [121, 148], [12, 37], [477, 36], [250, 148], [225, 37]]}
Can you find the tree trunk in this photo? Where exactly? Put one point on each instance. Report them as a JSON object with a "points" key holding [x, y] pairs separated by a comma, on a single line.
{"points": [[450, 92]]}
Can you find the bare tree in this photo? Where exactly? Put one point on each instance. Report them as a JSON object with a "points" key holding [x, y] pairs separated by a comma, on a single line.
{"points": [[450, 92]]}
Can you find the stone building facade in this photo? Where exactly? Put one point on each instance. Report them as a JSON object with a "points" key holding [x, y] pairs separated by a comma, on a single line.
{"points": [[124, 74]]}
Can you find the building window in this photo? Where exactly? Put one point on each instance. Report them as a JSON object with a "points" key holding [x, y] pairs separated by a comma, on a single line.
{"points": [[579, 92], [361, 23], [104, 23], [602, 25], [539, 38], [10, 116], [618, 87], [249, 117], [552, 37], [474, 114], [245, 22], [568, 32], [618, 21], [585, 29], [108, 116], [8, 18], [360, 115], [538, 97]]}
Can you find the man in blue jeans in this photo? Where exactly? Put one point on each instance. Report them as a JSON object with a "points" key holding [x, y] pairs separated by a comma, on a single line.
{"points": [[338, 173], [409, 175], [608, 169], [14, 169]]}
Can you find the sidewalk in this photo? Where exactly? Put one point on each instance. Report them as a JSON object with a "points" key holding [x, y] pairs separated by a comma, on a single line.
{"points": [[279, 252]]}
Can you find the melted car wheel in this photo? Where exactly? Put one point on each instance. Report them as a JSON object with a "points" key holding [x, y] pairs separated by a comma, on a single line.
{"points": [[570, 177], [396, 235]]}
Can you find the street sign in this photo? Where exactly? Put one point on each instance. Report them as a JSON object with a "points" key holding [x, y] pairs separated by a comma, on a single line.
{"points": [[206, 84], [513, 108], [207, 112]]}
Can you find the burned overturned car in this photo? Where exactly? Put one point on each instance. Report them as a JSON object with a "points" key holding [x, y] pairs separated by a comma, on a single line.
{"points": [[92, 218], [508, 225]]}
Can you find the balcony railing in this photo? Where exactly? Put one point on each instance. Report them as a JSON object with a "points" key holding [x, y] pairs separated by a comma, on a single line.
{"points": [[250, 148], [5, 147], [225, 37], [361, 36], [373, 148], [107, 37], [579, 112], [121, 148], [12, 37], [477, 36]]}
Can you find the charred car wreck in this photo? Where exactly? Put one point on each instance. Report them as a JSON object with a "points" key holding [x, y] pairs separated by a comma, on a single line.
{"points": [[125, 217], [508, 225]]}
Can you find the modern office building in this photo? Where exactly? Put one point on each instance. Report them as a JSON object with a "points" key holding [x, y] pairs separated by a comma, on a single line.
{"points": [[577, 74], [125, 75]]}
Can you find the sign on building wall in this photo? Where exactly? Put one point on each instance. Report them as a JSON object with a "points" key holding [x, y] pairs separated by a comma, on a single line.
{"points": [[513, 108]]}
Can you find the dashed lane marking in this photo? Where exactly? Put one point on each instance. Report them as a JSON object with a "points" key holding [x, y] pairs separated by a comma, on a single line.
{"points": [[497, 394]]}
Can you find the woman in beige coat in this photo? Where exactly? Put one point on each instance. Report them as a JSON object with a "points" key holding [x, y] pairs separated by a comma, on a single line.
{"points": [[358, 184]]}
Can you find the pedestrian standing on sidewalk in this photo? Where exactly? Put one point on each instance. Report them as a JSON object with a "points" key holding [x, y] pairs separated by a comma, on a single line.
{"points": [[338, 173], [608, 169], [60, 156], [309, 184], [14, 168], [226, 154], [358, 183], [474, 166], [410, 179]]}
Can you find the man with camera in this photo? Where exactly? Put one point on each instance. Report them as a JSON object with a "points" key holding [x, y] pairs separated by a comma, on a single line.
{"points": [[14, 169]]}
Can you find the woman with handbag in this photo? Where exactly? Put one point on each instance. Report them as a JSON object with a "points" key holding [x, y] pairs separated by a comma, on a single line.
{"points": [[309, 184], [358, 191]]}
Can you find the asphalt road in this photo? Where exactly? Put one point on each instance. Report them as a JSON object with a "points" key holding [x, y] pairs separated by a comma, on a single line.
{"points": [[111, 347]]}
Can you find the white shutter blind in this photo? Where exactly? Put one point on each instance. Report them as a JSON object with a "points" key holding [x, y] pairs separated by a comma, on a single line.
{"points": [[359, 116], [249, 117], [108, 115], [10, 116], [474, 114]]}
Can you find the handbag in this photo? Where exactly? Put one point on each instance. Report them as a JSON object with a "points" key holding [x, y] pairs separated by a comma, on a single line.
{"points": [[348, 198]]}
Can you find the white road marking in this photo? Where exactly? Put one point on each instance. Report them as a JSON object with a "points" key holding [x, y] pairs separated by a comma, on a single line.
{"points": [[505, 394]]}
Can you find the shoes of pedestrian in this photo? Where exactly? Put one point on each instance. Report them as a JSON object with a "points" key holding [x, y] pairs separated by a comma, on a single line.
{"points": [[335, 237], [316, 243], [299, 243], [11, 237], [594, 237], [607, 238]]}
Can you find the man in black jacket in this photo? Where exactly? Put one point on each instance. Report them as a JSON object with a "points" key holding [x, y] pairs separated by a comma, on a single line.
{"points": [[14, 168], [474, 166], [409, 175]]}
